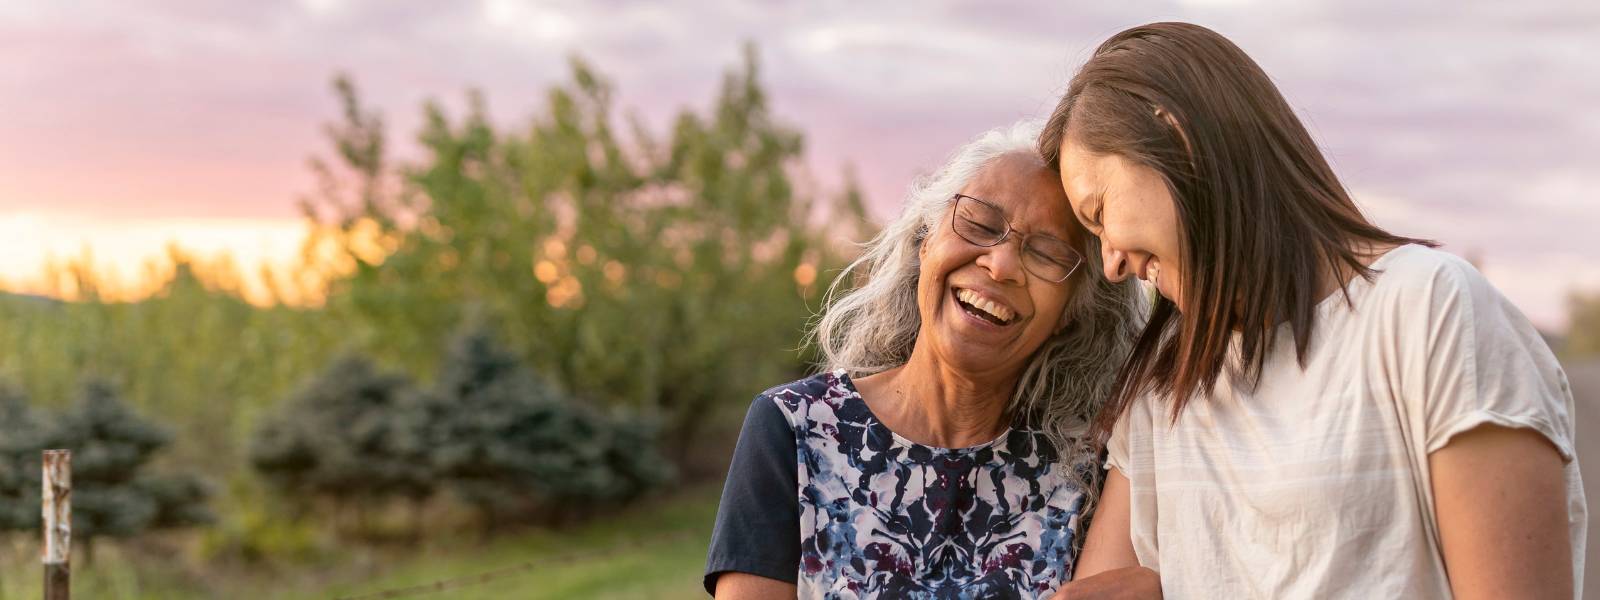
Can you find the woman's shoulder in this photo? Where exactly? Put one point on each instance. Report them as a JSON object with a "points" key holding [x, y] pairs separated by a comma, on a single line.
{"points": [[815, 386], [1416, 280], [1416, 269], [796, 397], [1440, 305]]}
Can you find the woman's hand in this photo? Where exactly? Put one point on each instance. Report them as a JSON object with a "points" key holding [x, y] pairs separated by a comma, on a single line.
{"points": [[1501, 498], [1127, 583], [1108, 567], [1130, 583]]}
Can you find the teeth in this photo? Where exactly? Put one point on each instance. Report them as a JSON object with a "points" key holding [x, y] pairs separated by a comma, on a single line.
{"points": [[1155, 273], [999, 312]]}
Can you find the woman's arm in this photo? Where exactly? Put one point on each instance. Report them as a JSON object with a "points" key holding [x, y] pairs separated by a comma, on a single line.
{"points": [[744, 586], [1501, 499], [1109, 545], [757, 532], [1108, 568]]}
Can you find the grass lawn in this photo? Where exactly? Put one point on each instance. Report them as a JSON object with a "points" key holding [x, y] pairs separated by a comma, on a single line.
{"points": [[654, 550]]}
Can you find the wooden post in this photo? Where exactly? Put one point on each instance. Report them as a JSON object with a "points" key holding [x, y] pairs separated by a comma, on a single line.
{"points": [[57, 508]]}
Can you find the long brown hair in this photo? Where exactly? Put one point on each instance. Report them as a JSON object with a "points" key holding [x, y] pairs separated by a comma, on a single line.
{"points": [[1261, 216]]}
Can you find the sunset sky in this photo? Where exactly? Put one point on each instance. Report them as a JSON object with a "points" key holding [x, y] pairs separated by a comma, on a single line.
{"points": [[125, 125]]}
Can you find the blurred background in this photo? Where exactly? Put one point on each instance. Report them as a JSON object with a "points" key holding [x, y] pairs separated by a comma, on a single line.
{"points": [[334, 297]]}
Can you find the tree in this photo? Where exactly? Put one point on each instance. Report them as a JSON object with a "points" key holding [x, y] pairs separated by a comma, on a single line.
{"points": [[112, 495], [664, 276], [21, 441], [353, 434], [514, 447], [655, 277]]}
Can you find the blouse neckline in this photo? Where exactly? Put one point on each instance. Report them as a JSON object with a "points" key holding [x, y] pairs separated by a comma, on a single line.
{"points": [[899, 440]]}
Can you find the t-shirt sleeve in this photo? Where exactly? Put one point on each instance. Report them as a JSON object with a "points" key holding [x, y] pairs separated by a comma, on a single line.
{"points": [[758, 521], [1116, 451], [1486, 364]]}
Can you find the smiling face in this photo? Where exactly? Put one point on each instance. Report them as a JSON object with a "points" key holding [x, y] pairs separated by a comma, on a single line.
{"points": [[1129, 207], [983, 312]]}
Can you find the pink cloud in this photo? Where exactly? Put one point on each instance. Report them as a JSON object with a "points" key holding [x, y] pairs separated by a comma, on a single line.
{"points": [[200, 108]]}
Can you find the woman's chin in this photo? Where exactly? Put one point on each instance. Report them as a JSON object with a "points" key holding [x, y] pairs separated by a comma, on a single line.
{"points": [[1169, 295], [977, 356]]}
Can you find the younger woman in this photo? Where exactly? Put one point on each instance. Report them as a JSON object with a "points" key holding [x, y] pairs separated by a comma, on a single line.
{"points": [[1318, 408]]}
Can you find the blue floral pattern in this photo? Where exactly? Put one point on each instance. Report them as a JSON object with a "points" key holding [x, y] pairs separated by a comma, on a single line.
{"points": [[884, 517]]}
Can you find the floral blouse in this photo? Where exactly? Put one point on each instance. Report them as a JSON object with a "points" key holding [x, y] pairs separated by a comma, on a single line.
{"points": [[820, 493]]}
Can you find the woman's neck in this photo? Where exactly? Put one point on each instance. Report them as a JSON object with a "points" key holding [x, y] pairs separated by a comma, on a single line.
{"points": [[932, 405]]}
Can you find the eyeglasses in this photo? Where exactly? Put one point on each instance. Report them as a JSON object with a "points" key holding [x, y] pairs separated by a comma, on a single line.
{"points": [[983, 224]]}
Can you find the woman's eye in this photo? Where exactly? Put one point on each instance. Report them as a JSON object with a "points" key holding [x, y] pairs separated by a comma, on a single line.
{"points": [[984, 227], [1056, 260], [1094, 219]]}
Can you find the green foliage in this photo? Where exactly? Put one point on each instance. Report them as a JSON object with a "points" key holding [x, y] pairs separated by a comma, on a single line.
{"points": [[111, 446], [112, 495], [194, 351], [651, 279], [665, 277], [353, 433], [506, 443], [511, 445], [21, 438], [257, 532]]}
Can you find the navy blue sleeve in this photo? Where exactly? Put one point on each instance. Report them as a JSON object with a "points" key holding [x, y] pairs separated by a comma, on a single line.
{"points": [[758, 521]]}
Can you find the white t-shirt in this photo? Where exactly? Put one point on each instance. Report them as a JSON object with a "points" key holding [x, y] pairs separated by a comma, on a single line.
{"points": [[1316, 483]]}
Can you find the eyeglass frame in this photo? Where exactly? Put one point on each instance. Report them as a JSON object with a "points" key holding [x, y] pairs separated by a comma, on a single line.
{"points": [[955, 205]]}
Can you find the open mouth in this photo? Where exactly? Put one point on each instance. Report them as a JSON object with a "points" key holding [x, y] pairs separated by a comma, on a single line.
{"points": [[982, 308]]}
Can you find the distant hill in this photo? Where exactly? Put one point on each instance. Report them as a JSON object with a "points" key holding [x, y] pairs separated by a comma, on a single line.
{"points": [[28, 298], [34, 298]]}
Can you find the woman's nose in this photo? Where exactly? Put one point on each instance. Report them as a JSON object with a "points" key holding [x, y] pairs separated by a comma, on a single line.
{"points": [[1116, 263], [1004, 261]]}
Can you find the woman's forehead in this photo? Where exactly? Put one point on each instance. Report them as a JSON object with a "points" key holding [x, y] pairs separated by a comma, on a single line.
{"points": [[1028, 191]]}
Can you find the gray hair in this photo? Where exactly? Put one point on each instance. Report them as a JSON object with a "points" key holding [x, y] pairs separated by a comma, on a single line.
{"points": [[872, 327]]}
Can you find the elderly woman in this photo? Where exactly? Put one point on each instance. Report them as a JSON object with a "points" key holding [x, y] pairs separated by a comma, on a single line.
{"points": [[942, 452]]}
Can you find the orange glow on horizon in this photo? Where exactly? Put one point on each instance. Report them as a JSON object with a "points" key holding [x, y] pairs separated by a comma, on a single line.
{"points": [[129, 259]]}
